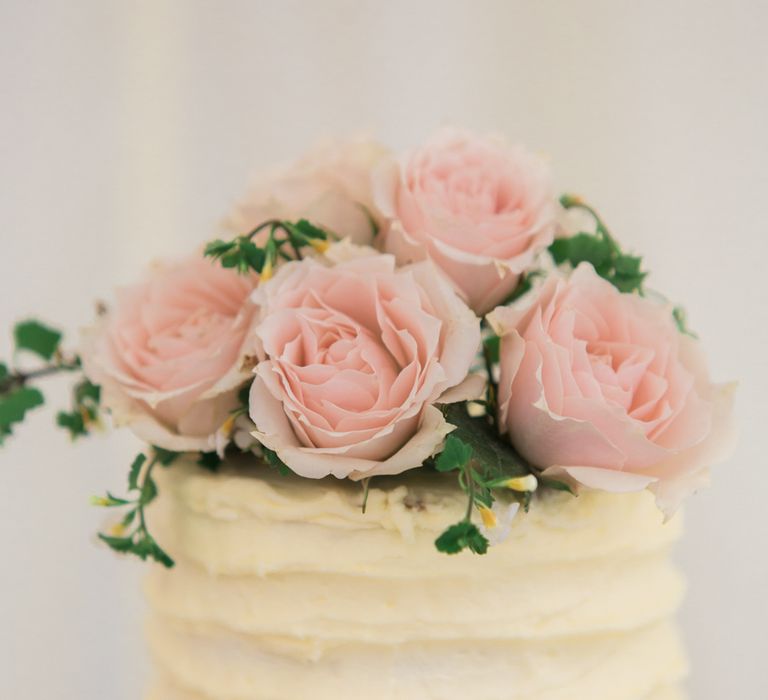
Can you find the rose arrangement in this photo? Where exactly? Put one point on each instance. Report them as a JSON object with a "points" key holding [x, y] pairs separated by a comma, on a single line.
{"points": [[375, 314]]}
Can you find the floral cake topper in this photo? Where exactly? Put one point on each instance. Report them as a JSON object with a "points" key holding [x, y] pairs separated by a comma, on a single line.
{"points": [[368, 313]]}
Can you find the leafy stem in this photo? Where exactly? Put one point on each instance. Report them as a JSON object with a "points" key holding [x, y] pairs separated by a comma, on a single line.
{"points": [[17, 379], [138, 540], [600, 250], [246, 254], [18, 396], [572, 201]]}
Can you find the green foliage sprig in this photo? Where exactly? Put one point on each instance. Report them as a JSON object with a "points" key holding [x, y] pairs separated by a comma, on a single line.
{"points": [[131, 535], [599, 249], [245, 255], [85, 410], [485, 465], [602, 251], [17, 397]]}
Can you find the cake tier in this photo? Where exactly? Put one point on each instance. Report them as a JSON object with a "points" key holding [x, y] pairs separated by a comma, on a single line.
{"points": [[285, 589]]}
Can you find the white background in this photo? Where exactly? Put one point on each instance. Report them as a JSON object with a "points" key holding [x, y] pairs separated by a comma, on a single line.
{"points": [[127, 129]]}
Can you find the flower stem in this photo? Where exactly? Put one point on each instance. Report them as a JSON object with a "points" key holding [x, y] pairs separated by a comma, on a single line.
{"points": [[18, 379], [570, 201], [470, 491], [492, 388], [274, 223]]}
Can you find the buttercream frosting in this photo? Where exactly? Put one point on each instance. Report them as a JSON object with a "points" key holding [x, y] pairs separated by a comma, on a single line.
{"points": [[285, 589]]}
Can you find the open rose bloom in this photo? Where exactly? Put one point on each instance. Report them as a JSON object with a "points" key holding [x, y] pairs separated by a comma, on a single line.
{"points": [[357, 354], [331, 186], [481, 210], [171, 356], [602, 387]]}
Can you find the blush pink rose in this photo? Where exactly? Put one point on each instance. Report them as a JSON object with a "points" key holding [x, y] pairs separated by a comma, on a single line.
{"points": [[171, 356], [330, 186], [481, 210], [601, 387], [356, 355]]}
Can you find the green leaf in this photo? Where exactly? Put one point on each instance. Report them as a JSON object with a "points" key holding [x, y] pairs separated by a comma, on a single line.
{"points": [[556, 485], [274, 461], [454, 455], [253, 255], [86, 391], [165, 457], [145, 547], [148, 491], [3, 371], [109, 501], [209, 461], [159, 555], [560, 250], [135, 471], [14, 406], [217, 248], [492, 347], [119, 544], [309, 230], [490, 451], [231, 259], [620, 269], [72, 422], [462, 535], [627, 284], [37, 338], [86, 396], [114, 500], [627, 265], [585, 247]]}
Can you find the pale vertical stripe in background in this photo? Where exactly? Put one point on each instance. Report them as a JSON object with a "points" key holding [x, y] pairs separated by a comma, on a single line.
{"points": [[127, 129], [154, 50]]}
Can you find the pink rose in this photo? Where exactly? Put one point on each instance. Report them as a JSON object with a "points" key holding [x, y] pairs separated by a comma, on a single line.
{"points": [[602, 387], [479, 209], [330, 186], [356, 354], [170, 357]]}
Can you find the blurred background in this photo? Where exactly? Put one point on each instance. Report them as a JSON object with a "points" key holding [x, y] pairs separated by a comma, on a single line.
{"points": [[128, 128]]}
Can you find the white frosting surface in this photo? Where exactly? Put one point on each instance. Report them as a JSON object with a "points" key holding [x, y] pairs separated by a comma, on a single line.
{"points": [[285, 589]]}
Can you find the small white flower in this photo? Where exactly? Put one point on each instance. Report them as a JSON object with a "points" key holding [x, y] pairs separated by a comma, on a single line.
{"points": [[496, 522], [522, 483], [236, 429], [242, 435]]}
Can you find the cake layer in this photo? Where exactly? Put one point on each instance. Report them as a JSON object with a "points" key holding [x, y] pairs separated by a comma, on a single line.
{"points": [[285, 589], [225, 666], [534, 602], [258, 522]]}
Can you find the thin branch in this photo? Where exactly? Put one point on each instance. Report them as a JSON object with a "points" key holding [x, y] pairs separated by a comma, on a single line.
{"points": [[18, 379]]}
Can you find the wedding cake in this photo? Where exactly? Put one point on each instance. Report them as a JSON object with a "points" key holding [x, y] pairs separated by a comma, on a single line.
{"points": [[416, 428], [285, 589]]}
